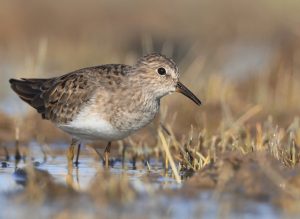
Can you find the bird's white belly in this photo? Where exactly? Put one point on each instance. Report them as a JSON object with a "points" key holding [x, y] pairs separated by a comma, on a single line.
{"points": [[90, 124], [93, 127]]}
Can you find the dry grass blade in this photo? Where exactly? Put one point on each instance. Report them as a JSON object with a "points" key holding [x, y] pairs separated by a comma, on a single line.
{"points": [[246, 116], [169, 156]]}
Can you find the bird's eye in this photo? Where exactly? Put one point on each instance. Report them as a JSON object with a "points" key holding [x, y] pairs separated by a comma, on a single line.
{"points": [[161, 71]]}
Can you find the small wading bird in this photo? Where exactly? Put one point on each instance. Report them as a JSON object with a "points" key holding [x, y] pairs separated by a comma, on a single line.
{"points": [[107, 102]]}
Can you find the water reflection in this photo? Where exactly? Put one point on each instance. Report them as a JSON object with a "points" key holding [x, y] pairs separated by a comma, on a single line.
{"points": [[153, 183]]}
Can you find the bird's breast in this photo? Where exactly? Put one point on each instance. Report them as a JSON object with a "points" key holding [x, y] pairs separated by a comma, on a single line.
{"points": [[110, 123], [133, 118]]}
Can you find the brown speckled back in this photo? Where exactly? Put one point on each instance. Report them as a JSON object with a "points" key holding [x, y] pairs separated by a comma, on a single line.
{"points": [[60, 99]]}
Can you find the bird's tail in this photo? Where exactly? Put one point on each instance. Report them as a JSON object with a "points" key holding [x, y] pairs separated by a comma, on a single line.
{"points": [[30, 90]]}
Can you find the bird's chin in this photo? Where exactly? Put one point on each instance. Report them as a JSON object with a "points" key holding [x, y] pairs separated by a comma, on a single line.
{"points": [[171, 92], [162, 93]]}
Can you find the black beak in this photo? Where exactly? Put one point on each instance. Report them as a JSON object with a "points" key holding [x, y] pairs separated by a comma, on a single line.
{"points": [[186, 92]]}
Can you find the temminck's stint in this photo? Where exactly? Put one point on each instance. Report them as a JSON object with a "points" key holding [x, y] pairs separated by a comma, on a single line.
{"points": [[107, 102]]}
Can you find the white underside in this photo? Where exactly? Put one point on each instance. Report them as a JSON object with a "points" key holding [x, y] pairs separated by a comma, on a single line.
{"points": [[90, 126]]}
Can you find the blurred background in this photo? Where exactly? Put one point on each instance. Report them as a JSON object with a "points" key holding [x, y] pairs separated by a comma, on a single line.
{"points": [[241, 58], [234, 55]]}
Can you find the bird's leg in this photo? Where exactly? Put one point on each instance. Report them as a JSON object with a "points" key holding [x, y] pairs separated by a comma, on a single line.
{"points": [[70, 156], [70, 151], [106, 154], [123, 155], [77, 155]]}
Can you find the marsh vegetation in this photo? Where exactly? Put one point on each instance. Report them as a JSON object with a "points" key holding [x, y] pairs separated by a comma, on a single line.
{"points": [[236, 155]]}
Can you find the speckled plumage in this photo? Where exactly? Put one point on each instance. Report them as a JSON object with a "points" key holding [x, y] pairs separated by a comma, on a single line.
{"points": [[104, 102], [60, 99]]}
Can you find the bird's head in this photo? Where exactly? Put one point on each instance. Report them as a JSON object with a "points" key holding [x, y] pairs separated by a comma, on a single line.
{"points": [[160, 75]]}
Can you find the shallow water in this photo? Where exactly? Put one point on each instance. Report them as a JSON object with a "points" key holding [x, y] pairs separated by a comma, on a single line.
{"points": [[203, 204]]}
